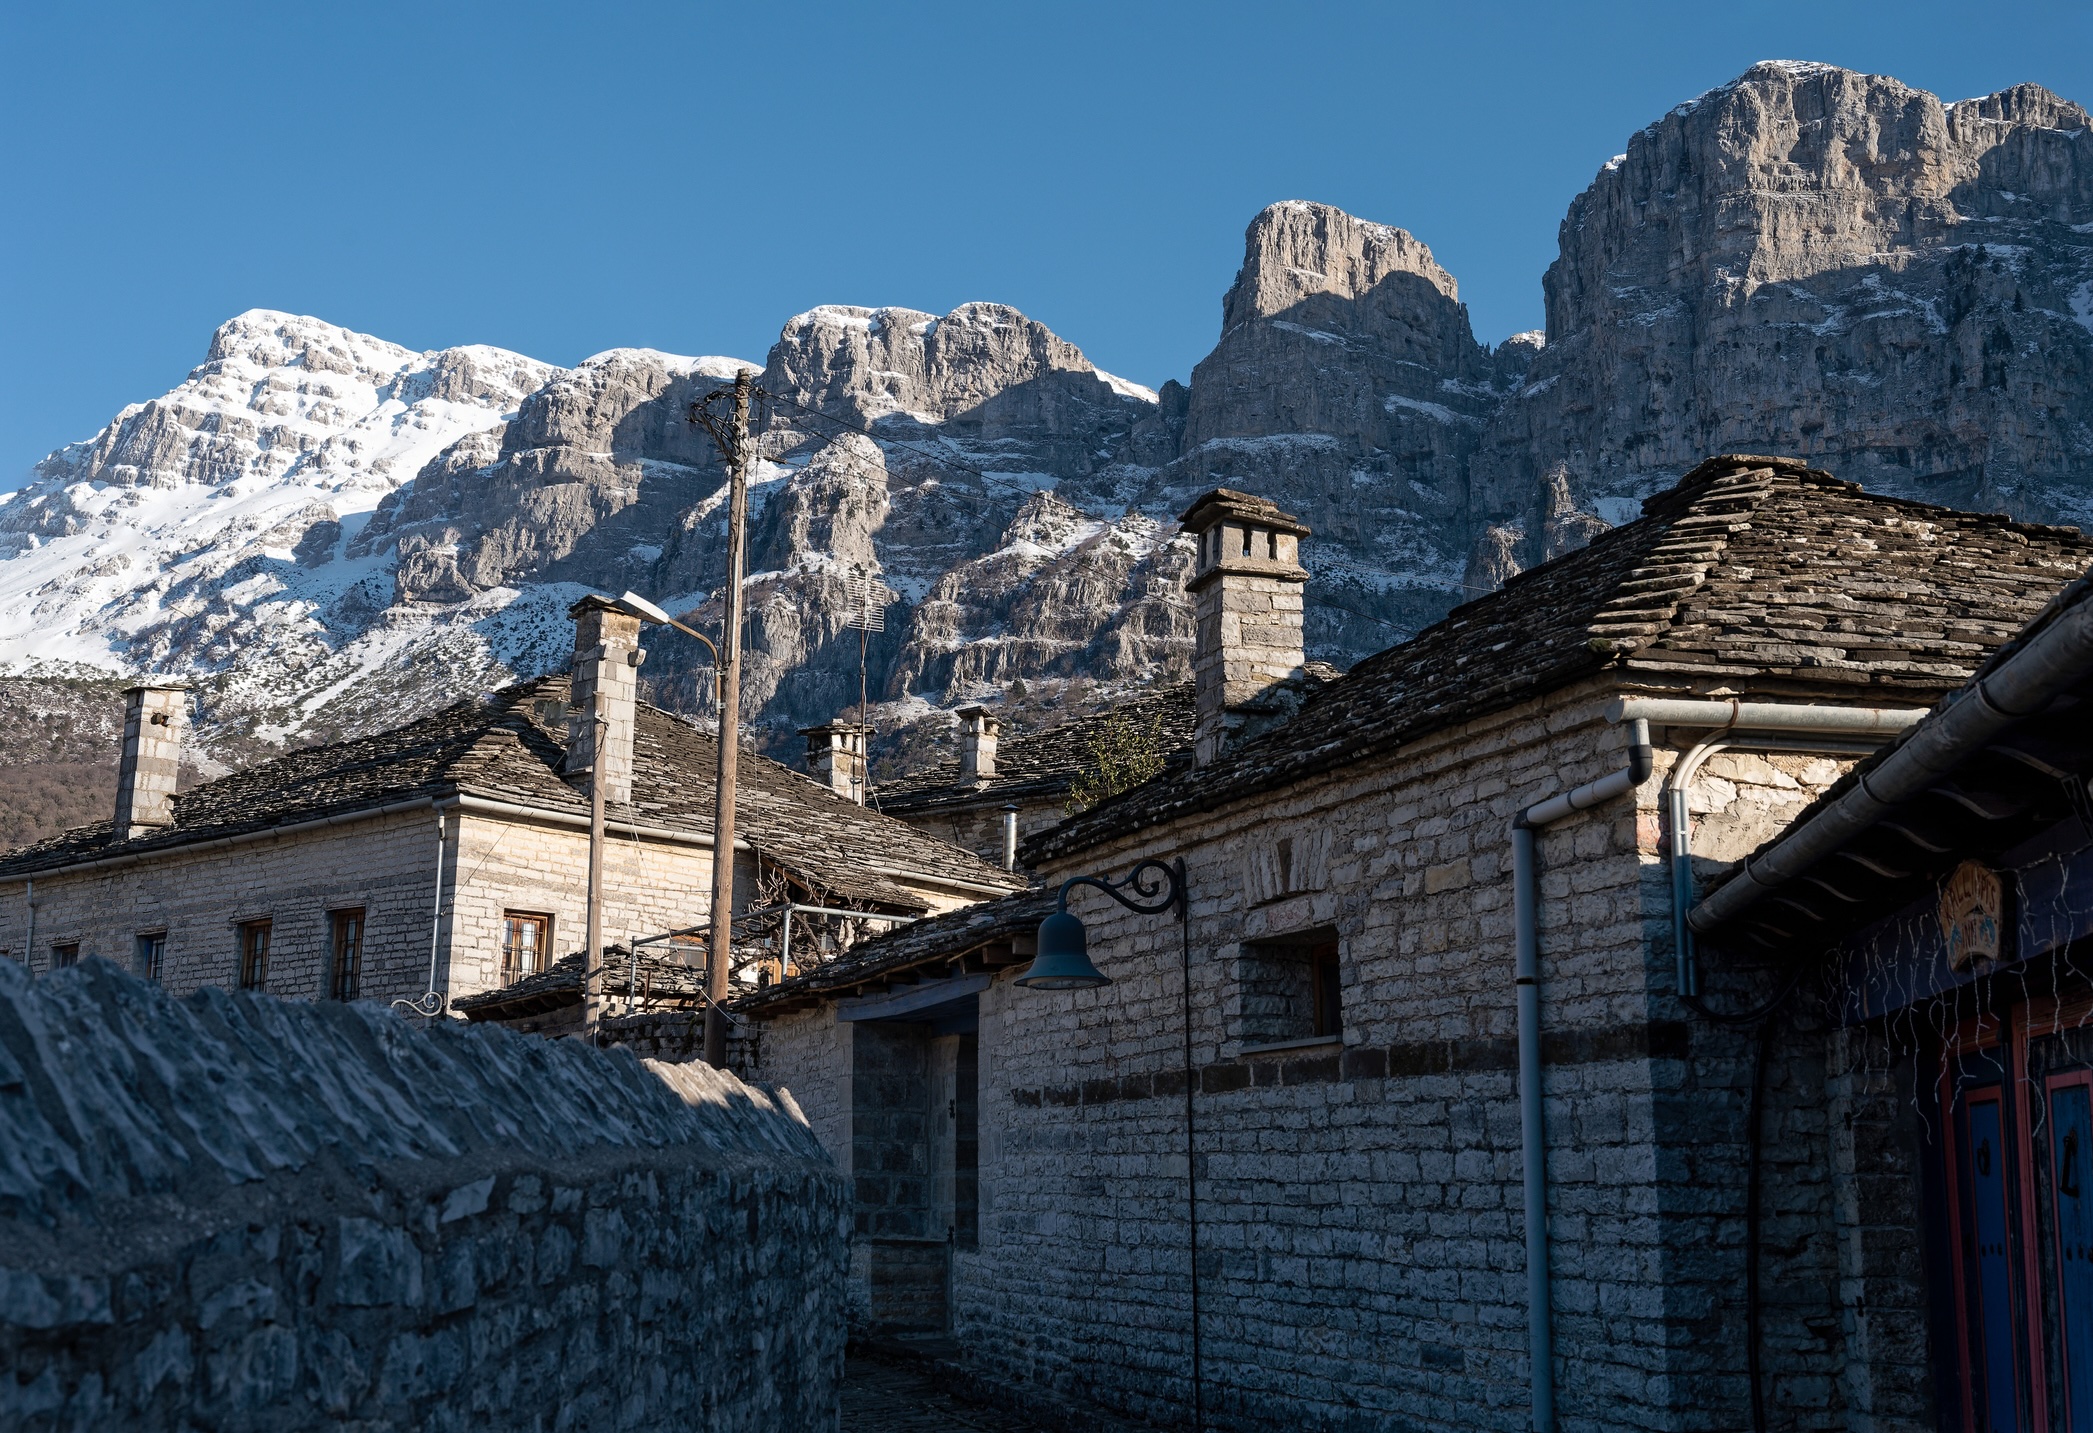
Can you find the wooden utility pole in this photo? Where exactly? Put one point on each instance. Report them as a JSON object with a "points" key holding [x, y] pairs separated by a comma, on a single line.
{"points": [[719, 942]]}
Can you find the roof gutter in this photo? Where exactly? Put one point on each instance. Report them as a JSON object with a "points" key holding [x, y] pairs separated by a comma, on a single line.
{"points": [[2053, 660]]}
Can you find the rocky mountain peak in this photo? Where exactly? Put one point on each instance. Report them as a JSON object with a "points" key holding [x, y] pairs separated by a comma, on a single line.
{"points": [[266, 338], [1295, 249], [1818, 263], [327, 531], [985, 364]]}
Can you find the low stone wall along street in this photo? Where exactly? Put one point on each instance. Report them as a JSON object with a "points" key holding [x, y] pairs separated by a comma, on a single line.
{"points": [[234, 1212]]}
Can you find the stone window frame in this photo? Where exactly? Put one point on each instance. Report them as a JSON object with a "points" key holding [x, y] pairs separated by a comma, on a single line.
{"points": [[149, 955], [346, 984], [243, 930], [69, 943], [547, 925], [1259, 962]]}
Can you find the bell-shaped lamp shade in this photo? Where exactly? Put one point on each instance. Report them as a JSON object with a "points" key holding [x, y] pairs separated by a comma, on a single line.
{"points": [[1063, 961]]}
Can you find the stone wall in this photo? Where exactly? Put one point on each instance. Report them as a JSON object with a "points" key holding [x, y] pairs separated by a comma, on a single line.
{"points": [[384, 866], [1362, 1260], [387, 868], [236, 1212]]}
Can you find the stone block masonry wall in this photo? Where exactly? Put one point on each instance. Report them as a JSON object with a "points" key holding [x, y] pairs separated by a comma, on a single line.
{"points": [[502, 866], [980, 828], [240, 1213], [1362, 1256], [386, 867]]}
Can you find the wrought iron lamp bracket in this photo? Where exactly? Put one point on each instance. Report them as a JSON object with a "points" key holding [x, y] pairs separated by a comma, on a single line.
{"points": [[1156, 886]]}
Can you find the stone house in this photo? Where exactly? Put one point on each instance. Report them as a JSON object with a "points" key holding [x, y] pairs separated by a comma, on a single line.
{"points": [[996, 794], [1464, 1157], [449, 854]]}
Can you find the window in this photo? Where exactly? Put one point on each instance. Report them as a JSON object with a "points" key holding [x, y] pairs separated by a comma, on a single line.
{"points": [[524, 942], [1290, 990], [345, 940], [152, 954], [64, 953], [254, 955]]}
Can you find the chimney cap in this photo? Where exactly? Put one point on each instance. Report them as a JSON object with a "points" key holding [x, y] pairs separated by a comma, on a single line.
{"points": [[158, 684], [594, 603], [1221, 504], [842, 728], [979, 711]]}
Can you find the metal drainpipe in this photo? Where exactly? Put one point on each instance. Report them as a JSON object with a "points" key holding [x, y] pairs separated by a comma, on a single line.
{"points": [[1796, 727], [1010, 837], [29, 946], [1533, 1131]]}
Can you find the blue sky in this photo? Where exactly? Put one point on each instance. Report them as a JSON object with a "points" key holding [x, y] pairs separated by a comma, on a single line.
{"points": [[561, 179]]}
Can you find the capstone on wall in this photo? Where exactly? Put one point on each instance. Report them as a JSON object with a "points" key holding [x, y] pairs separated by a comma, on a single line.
{"points": [[242, 1213]]}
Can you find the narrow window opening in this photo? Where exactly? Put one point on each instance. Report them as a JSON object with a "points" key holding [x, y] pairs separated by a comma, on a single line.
{"points": [[1246, 542], [525, 939], [345, 939], [254, 954], [64, 953], [152, 954]]}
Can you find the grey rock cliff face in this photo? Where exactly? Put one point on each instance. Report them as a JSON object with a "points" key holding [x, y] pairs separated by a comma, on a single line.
{"points": [[1818, 263], [1807, 261]]}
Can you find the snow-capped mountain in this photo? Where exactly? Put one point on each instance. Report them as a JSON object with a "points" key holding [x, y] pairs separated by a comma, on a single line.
{"points": [[327, 533]]}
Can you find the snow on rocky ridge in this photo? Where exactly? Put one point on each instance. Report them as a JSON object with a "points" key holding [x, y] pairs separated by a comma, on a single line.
{"points": [[326, 532]]}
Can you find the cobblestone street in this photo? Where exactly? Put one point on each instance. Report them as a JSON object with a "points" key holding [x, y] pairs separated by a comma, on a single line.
{"points": [[887, 1394]]}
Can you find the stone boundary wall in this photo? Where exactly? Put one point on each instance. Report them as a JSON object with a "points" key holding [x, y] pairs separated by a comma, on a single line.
{"points": [[235, 1212]]}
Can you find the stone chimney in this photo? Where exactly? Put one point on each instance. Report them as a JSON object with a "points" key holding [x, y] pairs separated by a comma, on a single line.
{"points": [[836, 755], [154, 719], [977, 743], [1246, 590], [607, 657]]}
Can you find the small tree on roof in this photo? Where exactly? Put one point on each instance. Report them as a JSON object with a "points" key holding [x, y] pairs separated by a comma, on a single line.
{"points": [[1124, 752]]}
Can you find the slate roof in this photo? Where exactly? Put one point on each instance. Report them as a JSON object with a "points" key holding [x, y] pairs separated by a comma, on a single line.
{"points": [[2022, 782], [1756, 572], [510, 746], [1043, 764], [936, 941]]}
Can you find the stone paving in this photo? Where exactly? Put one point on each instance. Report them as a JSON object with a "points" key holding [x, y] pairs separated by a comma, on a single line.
{"points": [[888, 1394]]}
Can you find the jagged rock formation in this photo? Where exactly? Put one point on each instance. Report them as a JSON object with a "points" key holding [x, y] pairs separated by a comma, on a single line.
{"points": [[332, 533], [1818, 263]]}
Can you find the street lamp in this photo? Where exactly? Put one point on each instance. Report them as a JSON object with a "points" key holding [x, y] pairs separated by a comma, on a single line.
{"points": [[1063, 963], [646, 611]]}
